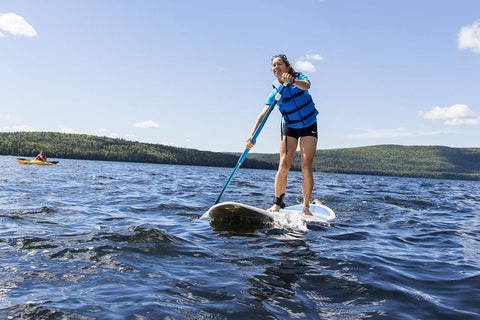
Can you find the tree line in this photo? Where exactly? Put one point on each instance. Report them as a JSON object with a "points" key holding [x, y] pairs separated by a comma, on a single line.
{"points": [[396, 160], [87, 147], [391, 160]]}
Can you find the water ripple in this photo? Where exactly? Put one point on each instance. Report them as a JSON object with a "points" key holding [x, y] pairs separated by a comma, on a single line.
{"points": [[109, 240]]}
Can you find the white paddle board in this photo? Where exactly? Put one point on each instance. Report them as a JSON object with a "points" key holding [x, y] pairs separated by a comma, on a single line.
{"points": [[233, 211]]}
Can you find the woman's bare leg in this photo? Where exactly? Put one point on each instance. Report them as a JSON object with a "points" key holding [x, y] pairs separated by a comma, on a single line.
{"points": [[308, 147], [287, 151]]}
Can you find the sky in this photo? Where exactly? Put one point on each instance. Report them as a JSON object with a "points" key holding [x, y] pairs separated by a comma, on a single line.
{"points": [[196, 74]]}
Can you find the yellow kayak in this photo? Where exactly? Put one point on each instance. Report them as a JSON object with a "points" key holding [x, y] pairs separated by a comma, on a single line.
{"points": [[44, 163]]}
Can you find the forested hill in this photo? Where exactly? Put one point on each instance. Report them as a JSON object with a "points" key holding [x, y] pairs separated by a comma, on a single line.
{"points": [[416, 161], [81, 146], [393, 160]]}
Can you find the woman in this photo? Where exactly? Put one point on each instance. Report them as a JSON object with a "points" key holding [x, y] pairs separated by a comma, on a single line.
{"points": [[299, 123]]}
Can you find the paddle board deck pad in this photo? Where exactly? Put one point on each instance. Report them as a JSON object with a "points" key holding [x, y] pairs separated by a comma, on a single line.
{"points": [[232, 211]]}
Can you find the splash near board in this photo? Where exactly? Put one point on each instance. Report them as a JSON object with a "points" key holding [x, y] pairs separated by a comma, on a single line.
{"points": [[233, 211]]}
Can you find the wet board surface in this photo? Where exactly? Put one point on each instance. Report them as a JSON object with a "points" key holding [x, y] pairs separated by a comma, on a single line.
{"points": [[233, 211]]}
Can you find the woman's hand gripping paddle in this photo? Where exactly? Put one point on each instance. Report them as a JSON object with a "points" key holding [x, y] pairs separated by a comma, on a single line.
{"points": [[253, 139]]}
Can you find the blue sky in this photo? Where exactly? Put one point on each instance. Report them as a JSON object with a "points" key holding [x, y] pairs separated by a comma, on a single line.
{"points": [[195, 74]]}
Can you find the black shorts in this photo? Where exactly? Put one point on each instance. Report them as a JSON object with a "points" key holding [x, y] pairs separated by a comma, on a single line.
{"points": [[310, 131]]}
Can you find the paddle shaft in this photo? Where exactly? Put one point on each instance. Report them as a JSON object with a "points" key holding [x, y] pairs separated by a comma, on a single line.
{"points": [[253, 140]]}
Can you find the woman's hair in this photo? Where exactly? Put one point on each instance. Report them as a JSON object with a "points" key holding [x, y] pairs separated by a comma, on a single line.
{"points": [[287, 63]]}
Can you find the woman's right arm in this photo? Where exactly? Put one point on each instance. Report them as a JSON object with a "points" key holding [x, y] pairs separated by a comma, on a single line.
{"points": [[257, 123]]}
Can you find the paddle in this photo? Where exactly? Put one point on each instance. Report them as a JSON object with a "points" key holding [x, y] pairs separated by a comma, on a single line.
{"points": [[253, 139]]}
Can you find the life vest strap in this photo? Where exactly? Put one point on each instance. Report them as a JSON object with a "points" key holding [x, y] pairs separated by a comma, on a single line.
{"points": [[286, 113], [285, 100], [301, 120]]}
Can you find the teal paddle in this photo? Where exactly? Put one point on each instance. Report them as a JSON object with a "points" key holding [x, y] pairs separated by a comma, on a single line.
{"points": [[253, 140]]}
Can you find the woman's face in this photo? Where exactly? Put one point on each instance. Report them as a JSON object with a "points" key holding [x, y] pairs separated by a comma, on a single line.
{"points": [[278, 67]]}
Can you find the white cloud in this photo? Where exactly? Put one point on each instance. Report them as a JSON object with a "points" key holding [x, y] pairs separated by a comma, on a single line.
{"points": [[305, 63], [145, 124], [109, 134], [462, 122], [66, 130], [113, 136], [19, 128], [314, 56], [469, 37], [16, 25], [392, 133], [456, 115], [130, 137]]}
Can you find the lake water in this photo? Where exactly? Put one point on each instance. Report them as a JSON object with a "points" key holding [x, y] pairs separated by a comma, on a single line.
{"points": [[110, 240]]}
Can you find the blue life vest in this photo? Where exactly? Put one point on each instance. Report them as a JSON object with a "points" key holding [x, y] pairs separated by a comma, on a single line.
{"points": [[296, 106]]}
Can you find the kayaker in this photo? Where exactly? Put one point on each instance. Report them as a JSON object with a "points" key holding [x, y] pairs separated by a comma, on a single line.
{"points": [[299, 123], [41, 156]]}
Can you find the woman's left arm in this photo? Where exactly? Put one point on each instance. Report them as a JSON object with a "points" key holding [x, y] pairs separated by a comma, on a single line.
{"points": [[302, 84]]}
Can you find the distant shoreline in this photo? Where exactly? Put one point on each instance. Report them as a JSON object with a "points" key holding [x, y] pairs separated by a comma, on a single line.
{"points": [[436, 162]]}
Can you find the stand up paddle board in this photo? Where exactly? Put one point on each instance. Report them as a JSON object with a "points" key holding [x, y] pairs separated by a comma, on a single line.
{"points": [[233, 211]]}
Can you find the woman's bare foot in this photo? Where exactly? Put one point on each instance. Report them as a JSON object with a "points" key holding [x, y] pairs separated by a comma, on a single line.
{"points": [[306, 211], [274, 208]]}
